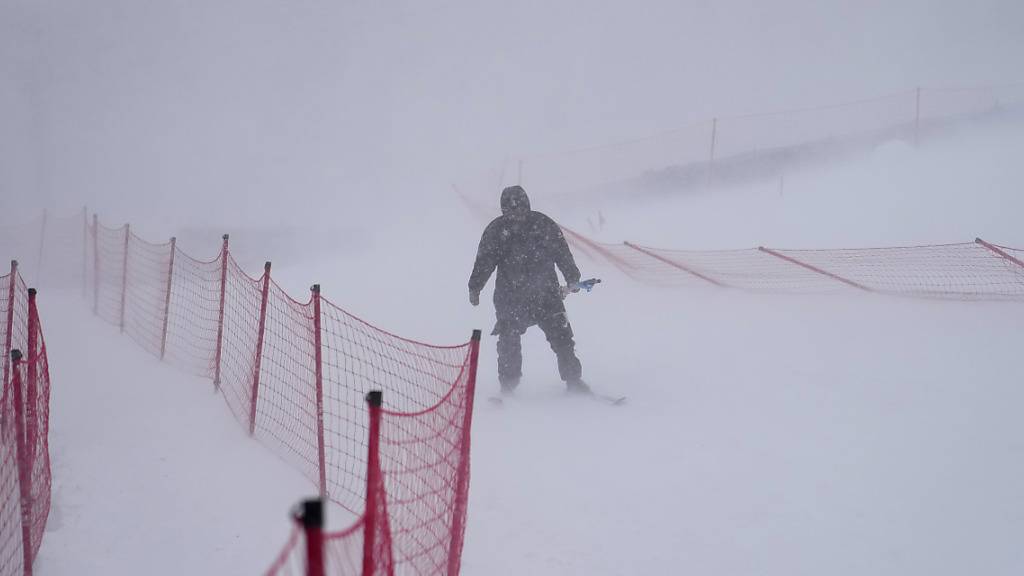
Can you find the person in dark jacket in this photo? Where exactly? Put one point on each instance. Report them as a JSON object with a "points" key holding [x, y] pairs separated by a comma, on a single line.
{"points": [[525, 247]]}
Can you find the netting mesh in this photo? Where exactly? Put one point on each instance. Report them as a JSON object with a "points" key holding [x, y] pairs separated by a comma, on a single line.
{"points": [[108, 277], [146, 292], [193, 314], [739, 148], [414, 518], [35, 374], [25, 481], [294, 374], [286, 414], [426, 381], [954, 271], [238, 344], [424, 437], [11, 551], [343, 553], [290, 560], [422, 490], [966, 270], [1016, 253], [749, 269]]}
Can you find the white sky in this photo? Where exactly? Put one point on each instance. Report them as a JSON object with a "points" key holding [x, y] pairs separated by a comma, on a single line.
{"points": [[248, 111]]}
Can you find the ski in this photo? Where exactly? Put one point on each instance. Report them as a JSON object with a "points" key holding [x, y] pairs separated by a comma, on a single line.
{"points": [[599, 397], [609, 399]]}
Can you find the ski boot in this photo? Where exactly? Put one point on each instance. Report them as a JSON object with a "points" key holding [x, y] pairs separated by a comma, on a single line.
{"points": [[577, 386], [508, 385]]}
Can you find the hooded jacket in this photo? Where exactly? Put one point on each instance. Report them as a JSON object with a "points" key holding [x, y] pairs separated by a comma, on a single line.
{"points": [[525, 247]]}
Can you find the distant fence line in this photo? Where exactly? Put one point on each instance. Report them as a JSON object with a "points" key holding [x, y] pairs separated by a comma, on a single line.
{"points": [[735, 148], [976, 270]]}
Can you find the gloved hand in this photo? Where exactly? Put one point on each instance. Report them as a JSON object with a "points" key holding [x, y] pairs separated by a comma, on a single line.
{"points": [[570, 289], [474, 298]]}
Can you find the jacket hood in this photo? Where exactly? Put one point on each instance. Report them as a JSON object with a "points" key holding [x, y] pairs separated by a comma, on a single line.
{"points": [[514, 201]]}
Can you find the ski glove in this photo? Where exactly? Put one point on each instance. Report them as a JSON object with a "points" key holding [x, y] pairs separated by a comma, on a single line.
{"points": [[474, 298]]}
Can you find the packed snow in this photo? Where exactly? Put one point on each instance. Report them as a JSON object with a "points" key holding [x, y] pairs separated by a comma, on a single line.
{"points": [[770, 434]]}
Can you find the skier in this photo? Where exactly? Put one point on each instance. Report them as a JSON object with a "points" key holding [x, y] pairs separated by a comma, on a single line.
{"points": [[526, 246]]}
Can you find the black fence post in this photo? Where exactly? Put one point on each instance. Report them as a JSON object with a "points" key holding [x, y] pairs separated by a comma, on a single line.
{"points": [[310, 515]]}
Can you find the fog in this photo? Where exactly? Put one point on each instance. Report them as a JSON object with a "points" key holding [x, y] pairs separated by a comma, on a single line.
{"points": [[235, 113], [775, 434]]}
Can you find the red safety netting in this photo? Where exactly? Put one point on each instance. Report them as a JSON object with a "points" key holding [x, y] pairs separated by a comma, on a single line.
{"points": [[25, 480], [422, 444], [407, 470], [970, 271], [1015, 254], [424, 434], [109, 251], [11, 537], [146, 290], [286, 408], [234, 362], [193, 314], [294, 374]]}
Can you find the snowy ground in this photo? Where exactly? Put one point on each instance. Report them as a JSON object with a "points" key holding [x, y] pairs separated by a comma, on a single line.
{"points": [[775, 436], [764, 434]]}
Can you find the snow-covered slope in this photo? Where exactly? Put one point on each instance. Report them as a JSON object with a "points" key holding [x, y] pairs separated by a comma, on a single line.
{"points": [[764, 434]]}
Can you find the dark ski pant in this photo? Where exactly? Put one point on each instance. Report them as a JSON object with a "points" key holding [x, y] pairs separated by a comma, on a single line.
{"points": [[559, 334]]}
